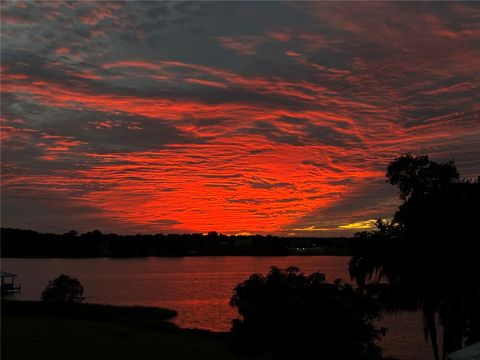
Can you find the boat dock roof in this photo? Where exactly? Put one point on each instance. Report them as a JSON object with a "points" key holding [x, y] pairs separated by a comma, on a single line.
{"points": [[7, 274]]}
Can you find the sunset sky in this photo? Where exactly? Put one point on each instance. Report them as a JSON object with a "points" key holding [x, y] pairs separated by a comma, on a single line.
{"points": [[236, 117]]}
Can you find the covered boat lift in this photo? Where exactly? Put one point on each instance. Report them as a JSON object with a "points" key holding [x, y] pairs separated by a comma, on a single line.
{"points": [[8, 283]]}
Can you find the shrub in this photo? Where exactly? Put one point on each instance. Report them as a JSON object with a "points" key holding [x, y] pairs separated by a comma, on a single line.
{"points": [[303, 317], [63, 289]]}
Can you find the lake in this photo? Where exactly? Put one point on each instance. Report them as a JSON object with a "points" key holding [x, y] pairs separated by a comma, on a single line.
{"points": [[199, 288]]}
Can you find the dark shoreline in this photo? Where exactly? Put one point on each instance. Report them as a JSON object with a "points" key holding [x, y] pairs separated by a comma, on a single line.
{"points": [[17, 243]]}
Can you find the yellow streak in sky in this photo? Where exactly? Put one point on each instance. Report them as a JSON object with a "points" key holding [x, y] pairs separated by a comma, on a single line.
{"points": [[367, 224], [359, 225], [313, 228]]}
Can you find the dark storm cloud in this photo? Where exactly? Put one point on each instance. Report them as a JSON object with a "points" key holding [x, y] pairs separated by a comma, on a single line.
{"points": [[306, 133], [271, 132], [96, 131], [93, 79], [329, 136]]}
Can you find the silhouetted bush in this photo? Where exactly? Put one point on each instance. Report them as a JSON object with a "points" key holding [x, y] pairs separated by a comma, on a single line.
{"points": [[63, 289], [303, 317]]}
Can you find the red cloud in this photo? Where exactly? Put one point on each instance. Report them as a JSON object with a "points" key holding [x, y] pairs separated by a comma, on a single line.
{"points": [[260, 151]]}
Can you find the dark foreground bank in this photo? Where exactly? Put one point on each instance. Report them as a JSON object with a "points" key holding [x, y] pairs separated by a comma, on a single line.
{"points": [[35, 330]]}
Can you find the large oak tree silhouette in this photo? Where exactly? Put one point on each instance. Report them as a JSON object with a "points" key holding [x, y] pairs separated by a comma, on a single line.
{"points": [[429, 253]]}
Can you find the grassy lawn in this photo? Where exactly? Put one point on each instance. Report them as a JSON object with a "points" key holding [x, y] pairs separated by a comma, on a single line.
{"points": [[45, 337]]}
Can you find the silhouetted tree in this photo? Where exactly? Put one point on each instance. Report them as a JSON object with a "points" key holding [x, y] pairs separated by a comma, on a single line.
{"points": [[303, 317], [429, 252], [63, 289]]}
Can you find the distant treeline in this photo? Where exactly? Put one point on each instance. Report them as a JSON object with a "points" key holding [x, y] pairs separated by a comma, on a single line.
{"points": [[28, 243]]}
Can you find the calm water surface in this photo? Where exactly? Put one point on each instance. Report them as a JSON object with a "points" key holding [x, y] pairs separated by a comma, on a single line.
{"points": [[199, 288]]}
